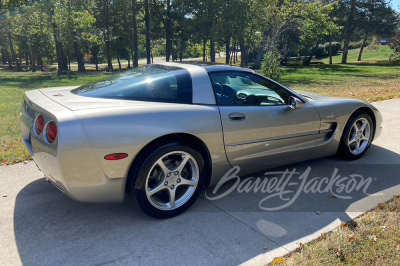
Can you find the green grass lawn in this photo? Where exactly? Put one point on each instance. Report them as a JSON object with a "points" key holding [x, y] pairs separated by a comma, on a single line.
{"points": [[12, 87], [365, 82], [381, 53]]}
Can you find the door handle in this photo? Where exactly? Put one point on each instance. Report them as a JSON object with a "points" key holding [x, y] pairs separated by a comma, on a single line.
{"points": [[237, 116]]}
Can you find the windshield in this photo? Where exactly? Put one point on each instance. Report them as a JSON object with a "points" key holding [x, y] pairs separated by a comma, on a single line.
{"points": [[155, 83]]}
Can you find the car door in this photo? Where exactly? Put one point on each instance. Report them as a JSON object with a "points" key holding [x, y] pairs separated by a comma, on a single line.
{"points": [[259, 125]]}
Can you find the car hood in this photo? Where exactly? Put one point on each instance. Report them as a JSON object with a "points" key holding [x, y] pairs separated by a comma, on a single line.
{"points": [[64, 96], [316, 96]]}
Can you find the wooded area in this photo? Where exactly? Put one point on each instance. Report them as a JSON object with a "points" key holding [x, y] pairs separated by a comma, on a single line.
{"points": [[38, 33]]}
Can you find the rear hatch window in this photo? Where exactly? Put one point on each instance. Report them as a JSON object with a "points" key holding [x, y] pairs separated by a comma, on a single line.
{"points": [[154, 83]]}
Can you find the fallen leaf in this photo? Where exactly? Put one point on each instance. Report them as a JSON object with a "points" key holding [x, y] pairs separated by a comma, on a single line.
{"points": [[323, 235], [381, 206], [394, 209], [344, 224], [278, 261], [352, 239], [332, 197], [396, 197]]}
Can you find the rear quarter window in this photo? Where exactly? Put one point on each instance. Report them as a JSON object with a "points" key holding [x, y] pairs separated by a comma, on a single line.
{"points": [[153, 83]]}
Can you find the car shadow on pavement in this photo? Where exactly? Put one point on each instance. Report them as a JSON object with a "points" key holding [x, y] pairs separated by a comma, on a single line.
{"points": [[52, 229]]}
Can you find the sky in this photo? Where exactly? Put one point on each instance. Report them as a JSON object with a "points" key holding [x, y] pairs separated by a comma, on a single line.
{"points": [[396, 4]]}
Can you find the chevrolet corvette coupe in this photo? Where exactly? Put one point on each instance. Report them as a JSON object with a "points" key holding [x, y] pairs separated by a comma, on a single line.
{"points": [[163, 132]]}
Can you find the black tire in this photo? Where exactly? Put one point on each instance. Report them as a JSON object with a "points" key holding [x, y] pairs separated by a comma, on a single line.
{"points": [[140, 173], [345, 150]]}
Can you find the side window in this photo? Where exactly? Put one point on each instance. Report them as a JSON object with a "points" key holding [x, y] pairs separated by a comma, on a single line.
{"points": [[235, 88]]}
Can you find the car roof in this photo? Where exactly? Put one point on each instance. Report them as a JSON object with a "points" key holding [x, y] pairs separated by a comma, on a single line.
{"points": [[213, 67]]}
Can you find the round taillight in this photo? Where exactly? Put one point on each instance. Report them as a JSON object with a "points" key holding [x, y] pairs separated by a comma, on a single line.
{"points": [[39, 124], [51, 131]]}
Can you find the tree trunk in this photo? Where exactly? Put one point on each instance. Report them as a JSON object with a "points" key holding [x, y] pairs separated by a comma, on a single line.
{"points": [[308, 59], [330, 51], [129, 62], [168, 32], [362, 47], [33, 65], [106, 35], [204, 50], [62, 62], [9, 60], [40, 63], [119, 62], [15, 59], [3, 56], [135, 57], [212, 50], [345, 50], [97, 62], [228, 51], [147, 25], [79, 57], [261, 51], [236, 52], [349, 32], [243, 54], [182, 48], [61, 58]]}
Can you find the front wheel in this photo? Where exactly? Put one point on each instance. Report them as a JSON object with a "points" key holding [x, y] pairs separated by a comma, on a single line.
{"points": [[357, 136], [169, 180]]}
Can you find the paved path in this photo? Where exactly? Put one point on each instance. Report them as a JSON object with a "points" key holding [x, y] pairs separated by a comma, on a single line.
{"points": [[41, 226]]}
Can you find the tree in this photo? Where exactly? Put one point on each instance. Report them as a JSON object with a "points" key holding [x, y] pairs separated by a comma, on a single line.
{"points": [[394, 44], [378, 19], [350, 10], [271, 65], [147, 23], [314, 24]]}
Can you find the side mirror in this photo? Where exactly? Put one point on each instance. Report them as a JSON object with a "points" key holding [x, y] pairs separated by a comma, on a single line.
{"points": [[295, 103]]}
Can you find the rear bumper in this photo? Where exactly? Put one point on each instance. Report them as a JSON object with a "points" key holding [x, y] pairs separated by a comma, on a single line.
{"points": [[68, 163]]}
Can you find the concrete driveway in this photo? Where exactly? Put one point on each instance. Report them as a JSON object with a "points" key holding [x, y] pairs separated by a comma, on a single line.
{"points": [[41, 226]]}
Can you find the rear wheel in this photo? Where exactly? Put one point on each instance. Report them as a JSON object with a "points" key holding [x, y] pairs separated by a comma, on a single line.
{"points": [[169, 180], [357, 136]]}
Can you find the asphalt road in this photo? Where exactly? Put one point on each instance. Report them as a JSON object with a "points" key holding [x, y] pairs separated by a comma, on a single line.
{"points": [[41, 226]]}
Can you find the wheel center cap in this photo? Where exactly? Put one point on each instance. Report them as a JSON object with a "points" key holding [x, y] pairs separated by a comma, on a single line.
{"points": [[172, 178]]}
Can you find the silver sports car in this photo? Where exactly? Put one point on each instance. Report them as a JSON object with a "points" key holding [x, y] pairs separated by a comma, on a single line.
{"points": [[163, 132]]}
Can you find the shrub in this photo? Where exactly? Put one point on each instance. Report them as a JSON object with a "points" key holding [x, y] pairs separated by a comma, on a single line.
{"points": [[270, 66], [356, 45], [336, 47], [394, 44], [320, 51]]}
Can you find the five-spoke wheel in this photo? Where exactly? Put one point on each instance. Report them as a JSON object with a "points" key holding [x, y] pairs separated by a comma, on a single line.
{"points": [[168, 180], [357, 136], [172, 180]]}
